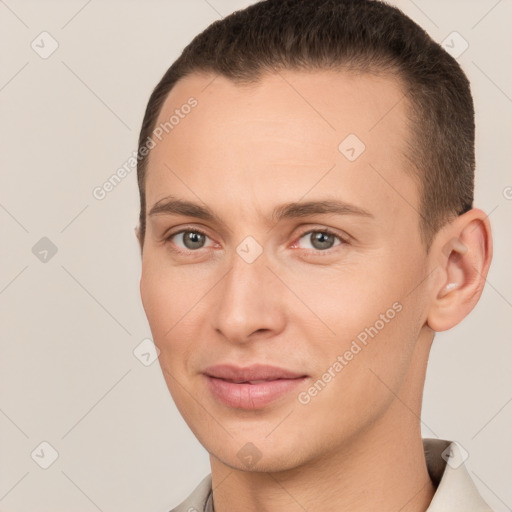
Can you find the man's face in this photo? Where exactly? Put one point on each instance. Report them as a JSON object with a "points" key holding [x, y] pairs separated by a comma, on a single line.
{"points": [[336, 298]]}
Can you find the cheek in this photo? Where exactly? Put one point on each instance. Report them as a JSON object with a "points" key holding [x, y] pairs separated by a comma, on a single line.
{"points": [[166, 302], [165, 290], [366, 312], [347, 299], [175, 301], [364, 364], [167, 298], [157, 302]]}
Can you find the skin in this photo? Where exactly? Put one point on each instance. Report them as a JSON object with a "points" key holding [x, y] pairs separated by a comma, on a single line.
{"points": [[243, 151]]}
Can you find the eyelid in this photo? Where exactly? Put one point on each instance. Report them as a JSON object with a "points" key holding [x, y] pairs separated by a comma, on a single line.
{"points": [[343, 238], [169, 235]]}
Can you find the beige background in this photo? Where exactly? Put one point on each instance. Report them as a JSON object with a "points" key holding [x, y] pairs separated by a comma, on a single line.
{"points": [[68, 374]]}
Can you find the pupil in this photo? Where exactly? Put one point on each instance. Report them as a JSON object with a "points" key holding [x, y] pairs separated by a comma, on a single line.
{"points": [[322, 240], [193, 240]]}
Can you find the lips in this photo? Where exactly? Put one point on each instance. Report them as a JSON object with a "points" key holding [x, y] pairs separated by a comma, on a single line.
{"points": [[254, 372], [251, 387]]}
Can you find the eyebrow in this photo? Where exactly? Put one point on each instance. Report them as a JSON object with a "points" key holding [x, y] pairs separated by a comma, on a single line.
{"points": [[174, 206]]}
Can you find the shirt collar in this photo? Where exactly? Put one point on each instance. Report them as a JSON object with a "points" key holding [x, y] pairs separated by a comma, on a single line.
{"points": [[455, 489], [445, 463]]}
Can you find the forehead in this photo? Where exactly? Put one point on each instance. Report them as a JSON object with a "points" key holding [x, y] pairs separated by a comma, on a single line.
{"points": [[283, 133], [329, 103]]}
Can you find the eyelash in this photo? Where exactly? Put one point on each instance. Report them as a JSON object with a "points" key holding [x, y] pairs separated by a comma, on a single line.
{"points": [[343, 241]]}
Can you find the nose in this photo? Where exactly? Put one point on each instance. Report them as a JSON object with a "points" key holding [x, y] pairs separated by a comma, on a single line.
{"points": [[249, 302]]}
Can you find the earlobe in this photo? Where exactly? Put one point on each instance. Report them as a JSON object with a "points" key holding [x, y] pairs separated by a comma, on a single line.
{"points": [[464, 252]]}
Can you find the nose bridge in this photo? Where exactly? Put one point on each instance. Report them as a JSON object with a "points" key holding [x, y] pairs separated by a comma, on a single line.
{"points": [[248, 297]]}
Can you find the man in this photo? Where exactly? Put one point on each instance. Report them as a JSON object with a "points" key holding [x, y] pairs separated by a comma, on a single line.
{"points": [[307, 225]]}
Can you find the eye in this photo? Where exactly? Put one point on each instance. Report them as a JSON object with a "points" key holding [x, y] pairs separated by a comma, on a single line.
{"points": [[320, 240], [191, 240], [188, 240]]}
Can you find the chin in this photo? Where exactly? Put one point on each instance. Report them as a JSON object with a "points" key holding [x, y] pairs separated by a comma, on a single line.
{"points": [[258, 453], [266, 464]]}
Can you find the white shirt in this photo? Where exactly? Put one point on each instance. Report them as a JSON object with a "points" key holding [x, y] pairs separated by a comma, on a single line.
{"points": [[455, 491]]}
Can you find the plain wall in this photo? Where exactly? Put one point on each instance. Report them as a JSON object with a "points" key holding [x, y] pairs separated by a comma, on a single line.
{"points": [[68, 374]]}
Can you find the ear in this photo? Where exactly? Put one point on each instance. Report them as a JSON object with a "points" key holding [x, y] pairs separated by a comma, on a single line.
{"points": [[137, 234], [464, 252]]}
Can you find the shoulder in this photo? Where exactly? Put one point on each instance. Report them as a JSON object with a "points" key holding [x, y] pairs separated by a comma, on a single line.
{"points": [[197, 500]]}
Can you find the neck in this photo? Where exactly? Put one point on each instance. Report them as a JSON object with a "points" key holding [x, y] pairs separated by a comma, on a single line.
{"points": [[381, 469], [383, 473]]}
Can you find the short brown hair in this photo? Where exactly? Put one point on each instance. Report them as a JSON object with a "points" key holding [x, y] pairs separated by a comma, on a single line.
{"points": [[360, 35]]}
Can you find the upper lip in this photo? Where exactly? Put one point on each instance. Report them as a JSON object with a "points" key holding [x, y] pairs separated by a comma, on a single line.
{"points": [[250, 373]]}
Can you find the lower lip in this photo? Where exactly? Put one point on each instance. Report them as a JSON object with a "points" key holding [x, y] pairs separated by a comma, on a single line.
{"points": [[251, 396]]}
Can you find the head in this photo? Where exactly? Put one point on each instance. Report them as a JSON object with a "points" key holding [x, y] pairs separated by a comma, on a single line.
{"points": [[309, 207]]}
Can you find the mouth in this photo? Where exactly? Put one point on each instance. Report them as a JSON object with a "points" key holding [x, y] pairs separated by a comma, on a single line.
{"points": [[252, 387]]}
